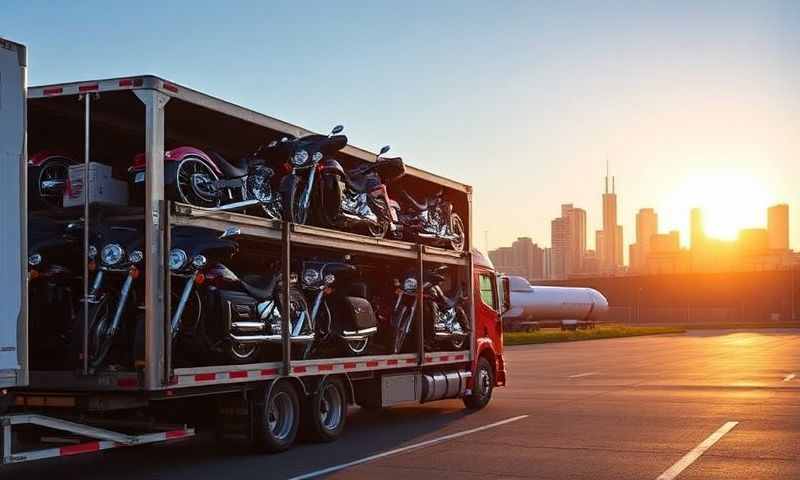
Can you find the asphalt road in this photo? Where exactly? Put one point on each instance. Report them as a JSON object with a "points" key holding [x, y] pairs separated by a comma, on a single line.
{"points": [[704, 405]]}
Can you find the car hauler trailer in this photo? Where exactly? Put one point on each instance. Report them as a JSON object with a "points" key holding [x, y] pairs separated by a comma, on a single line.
{"points": [[110, 121]]}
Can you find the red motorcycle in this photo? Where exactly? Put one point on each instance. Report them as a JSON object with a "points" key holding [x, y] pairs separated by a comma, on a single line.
{"points": [[48, 172], [206, 179]]}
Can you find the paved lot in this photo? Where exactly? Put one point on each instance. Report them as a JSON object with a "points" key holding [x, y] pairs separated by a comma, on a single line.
{"points": [[606, 409]]}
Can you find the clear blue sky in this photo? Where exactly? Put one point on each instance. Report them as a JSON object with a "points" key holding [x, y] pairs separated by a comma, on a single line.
{"points": [[523, 100]]}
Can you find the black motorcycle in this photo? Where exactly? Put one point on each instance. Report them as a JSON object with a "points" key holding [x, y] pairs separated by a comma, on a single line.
{"points": [[216, 311], [116, 256], [340, 307], [55, 271], [446, 323], [432, 221]]}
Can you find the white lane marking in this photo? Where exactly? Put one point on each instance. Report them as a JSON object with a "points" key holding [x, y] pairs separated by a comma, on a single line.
{"points": [[579, 375], [414, 446], [789, 377], [690, 457]]}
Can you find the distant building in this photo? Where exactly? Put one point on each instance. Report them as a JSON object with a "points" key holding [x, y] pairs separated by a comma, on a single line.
{"points": [[778, 227], [568, 240], [523, 258], [753, 241], [697, 232], [610, 250], [548, 263], [646, 227]]}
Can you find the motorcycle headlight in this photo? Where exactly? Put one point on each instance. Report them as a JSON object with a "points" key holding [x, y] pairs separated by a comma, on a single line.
{"points": [[112, 254], [199, 261], [317, 156], [311, 276], [92, 252], [136, 256], [300, 158], [177, 259], [410, 284], [34, 260], [329, 279]]}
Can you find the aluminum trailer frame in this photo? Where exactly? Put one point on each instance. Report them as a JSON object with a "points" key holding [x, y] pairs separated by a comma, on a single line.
{"points": [[13, 150], [158, 375]]}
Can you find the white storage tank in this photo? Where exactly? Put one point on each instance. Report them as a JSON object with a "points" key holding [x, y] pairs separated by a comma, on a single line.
{"points": [[529, 303]]}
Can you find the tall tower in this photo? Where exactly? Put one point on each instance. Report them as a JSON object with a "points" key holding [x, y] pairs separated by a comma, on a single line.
{"points": [[611, 258], [646, 227], [778, 227]]}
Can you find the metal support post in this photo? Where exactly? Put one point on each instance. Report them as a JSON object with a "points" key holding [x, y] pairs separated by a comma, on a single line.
{"points": [[286, 310], [87, 119], [471, 294], [154, 371], [167, 292], [420, 306]]}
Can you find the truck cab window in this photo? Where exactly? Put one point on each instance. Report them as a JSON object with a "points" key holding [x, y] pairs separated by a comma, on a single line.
{"points": [[488, 294]]}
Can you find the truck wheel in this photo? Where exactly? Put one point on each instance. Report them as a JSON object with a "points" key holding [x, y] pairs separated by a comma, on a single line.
{"points": [[482, 387], [277, 418], [325, 412]]}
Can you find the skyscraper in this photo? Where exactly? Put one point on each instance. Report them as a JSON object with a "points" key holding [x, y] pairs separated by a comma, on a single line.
{"points": [[778, 227], [523, 258], [646, 227], [568, 240], [611, 250], [697, 234]]}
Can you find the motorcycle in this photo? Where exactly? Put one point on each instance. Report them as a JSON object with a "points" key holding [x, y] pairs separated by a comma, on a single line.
{"points": [[446, 322], [339, 306], [206, 179], [54, 270], [226, 313], [117, 264], [47, 178], [431, 221]]}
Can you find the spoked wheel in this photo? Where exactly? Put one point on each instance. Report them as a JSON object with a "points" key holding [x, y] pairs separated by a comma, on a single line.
{"points": [[325, 412], [51, 182], [277, 418], [101, 315], [457, 227], [294, 200], [460, 337], [194, 183], [482, 387], [382, 228]]}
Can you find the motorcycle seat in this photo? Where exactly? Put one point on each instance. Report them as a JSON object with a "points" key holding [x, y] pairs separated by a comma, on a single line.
{"points": [[420, 207], [259, 286], [362, 182], [228, 169]]}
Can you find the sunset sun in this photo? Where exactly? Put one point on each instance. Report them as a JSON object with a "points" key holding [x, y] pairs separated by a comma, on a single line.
{"points": [[729, 199]]}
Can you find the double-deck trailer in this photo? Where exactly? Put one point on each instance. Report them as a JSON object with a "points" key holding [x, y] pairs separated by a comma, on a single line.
{"points": [[266, 403]]}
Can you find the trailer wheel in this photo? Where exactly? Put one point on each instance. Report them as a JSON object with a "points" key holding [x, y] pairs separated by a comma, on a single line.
{"points": [[277, 418], [325, 412], [482, 387]]}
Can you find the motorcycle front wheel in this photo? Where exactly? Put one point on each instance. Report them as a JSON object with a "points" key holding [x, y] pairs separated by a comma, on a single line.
{"points": [[51, 180], [293, 201], [457, 228], [101, 314], [401, 320], [458, 341]]}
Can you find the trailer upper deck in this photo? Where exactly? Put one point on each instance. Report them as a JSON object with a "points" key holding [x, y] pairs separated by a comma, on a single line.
{"points": [[175, 90]]}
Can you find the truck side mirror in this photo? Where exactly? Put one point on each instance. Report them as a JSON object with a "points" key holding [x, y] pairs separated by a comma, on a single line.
{"points": [[506, 294]]}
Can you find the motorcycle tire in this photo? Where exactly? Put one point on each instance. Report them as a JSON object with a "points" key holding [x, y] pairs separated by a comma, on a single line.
{"points": [[100, 316], [185, 192], [293, 209], [457, 227], [400, 318], [52, 169], [457, 342]]}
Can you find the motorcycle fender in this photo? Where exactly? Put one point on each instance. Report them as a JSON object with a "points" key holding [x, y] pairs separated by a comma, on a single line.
{"points": [[39, 158], [177, 154], [329, 166], [289, 182]]}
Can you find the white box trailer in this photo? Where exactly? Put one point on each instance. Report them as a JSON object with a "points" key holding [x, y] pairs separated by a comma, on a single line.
{"points": [[120, 117], [13, 157]]}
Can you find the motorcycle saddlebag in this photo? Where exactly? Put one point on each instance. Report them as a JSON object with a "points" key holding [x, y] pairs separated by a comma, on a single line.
{"points": [[356, 313], [231, 306]]}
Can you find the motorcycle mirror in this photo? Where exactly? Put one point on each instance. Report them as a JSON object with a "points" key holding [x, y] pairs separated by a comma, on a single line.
{"points": [[347, 258], [284, 139], [385, 149], [272, 143], [337, 129], [231, 232]]}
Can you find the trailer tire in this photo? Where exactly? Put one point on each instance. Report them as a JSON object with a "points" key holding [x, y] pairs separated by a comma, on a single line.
{"points": [[277, 418], [325, 412], [482, 387]]}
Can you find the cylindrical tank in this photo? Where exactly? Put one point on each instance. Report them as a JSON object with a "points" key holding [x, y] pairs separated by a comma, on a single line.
{"points": [[554, 303]]}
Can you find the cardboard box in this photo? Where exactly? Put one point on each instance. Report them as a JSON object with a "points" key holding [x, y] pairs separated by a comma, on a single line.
{"points": [[102, 187]]}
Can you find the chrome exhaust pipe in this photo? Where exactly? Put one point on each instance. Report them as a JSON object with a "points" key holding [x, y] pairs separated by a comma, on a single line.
{"points": [[235, 205], [358, 334], [269, 338], [249, 327]]}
